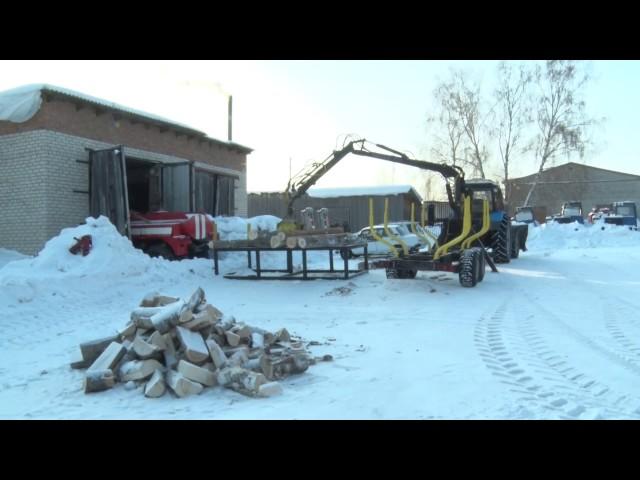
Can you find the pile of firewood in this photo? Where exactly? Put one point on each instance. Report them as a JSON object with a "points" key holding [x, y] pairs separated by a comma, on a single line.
{"points": [[329, 237], [189, 345]]}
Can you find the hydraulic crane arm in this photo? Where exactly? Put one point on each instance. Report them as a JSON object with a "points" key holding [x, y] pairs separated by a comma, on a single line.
{"points": [[305, 179]]}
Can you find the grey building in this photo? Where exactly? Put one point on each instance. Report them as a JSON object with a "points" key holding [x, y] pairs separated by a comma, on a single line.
{"points": [[46, 134], [347, 206], [574, 182]]}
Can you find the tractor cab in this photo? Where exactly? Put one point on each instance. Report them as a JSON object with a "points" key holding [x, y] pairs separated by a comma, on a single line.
{"points": [[524, 215], [571, 212], [482, 189], [623, 213]]}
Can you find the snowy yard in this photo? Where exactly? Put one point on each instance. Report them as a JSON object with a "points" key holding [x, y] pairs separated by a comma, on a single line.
{"points": [[555, 334]]}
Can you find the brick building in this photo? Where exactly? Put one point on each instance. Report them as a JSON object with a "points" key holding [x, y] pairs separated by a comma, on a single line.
{"points": [[574, 182], [46, 137]]}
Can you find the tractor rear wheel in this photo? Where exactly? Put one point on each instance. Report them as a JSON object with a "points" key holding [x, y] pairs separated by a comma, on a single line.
{"points": [[501, 241], [160, 250], [469, 268]]}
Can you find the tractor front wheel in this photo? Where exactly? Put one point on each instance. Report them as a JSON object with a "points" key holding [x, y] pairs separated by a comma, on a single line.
{"points": [[469, 268], [501, 242]]}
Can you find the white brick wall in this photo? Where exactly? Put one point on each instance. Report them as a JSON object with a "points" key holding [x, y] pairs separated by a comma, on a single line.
{"points": [[38, 176]]}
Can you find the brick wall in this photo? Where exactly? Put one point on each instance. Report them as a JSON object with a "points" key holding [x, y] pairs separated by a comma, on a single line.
{"points": [[38, 175]]}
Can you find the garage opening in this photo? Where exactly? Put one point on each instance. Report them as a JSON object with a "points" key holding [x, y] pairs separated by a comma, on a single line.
{"points": [[144, 185]]}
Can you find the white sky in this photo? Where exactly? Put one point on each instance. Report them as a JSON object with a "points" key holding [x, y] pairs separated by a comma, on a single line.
{"points": [[300, 111]]}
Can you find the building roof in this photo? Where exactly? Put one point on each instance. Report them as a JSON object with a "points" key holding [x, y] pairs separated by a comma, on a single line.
{"points": [[569, 164], [378, 190], [20, 104]]}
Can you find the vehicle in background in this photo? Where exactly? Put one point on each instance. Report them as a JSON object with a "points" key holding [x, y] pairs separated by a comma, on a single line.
{"points": [[571, 212], [375, 247], [624, 214], [525, 215]]}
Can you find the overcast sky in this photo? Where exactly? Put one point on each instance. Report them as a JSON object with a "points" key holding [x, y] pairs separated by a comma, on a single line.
{"points": [[299, 111]]}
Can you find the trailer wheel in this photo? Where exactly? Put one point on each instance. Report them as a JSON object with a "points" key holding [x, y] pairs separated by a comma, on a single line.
{"points": [[160, 250], [469, 268], [501, 242], [392, 273], [349, 254]]}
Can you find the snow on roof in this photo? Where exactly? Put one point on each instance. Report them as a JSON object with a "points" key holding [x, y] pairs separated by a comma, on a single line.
{"points": [[20, 104], [381, 190]]}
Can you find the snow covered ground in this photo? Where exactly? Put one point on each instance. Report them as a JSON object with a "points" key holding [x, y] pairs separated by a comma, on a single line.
{"points": [[555, 334]]}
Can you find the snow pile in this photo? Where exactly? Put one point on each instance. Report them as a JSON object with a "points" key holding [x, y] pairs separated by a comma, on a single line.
{"points": [[574, 235], [112, 253], [7, 256], [235, 228]]}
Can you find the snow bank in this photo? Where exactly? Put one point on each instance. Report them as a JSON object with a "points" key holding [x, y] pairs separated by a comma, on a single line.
{"points": [[574, 235], [7, 256], [112, 253], [235, 228]]}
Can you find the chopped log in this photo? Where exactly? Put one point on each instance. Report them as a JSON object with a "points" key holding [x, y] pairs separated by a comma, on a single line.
{"points": [[170, 358], [92, 350], [277, 240], [232, 338], [196, 299], [217, 355], [213, 312], [128, 332], [158, 340], [200, 321], [80, 364], [138, 369], [143, 349], [292, 242], [254, 365], [282, 335], [185, 316], [226, 323], [238, 359], [193, 344], [142, 332], [155, 387], [241, 380], [275, 368], [219, 339], [109, 358], [196, 373], [257, 340], [243, 331], [167, 317], [156, 300], [182, 386], [228, 351], [270, 389], [98, 380], [255, 353], [141, 316]]}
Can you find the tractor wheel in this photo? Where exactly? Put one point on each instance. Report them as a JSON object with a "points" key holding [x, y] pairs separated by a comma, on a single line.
{"points": [[482, 264], [392, 273], [469, 268], [160, 250], [408, 273], [501, 242]]}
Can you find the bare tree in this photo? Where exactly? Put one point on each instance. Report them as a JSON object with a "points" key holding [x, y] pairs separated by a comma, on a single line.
{"points": [[449, 130], [561, 118], [513, 113], [461, 123]]}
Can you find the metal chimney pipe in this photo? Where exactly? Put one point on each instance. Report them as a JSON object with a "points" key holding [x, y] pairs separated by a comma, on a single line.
{"points": [[230, 115]]}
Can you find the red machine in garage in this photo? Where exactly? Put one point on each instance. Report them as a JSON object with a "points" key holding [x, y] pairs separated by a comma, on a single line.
{"points": [[172, 235]]}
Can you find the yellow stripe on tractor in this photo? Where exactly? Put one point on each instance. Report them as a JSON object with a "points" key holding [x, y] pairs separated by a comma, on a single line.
{"points": [[486, 224], [375, 235], [405, 247], [466, 229]]}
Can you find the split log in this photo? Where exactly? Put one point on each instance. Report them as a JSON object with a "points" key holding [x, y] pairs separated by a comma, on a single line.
{"points": [[268, 337], [238, 359], [167, 317], [196, 299], [219, 339], [226, 323], [243, 331], [275, 368], [217, 355], [156, 300], [170, 357], [92, 350], [182, 386], [277, 240], [141, 316], [155, 387], [128, 332], [109, 358], [200, 321], [158, 340], [193, 344], [197, 374], [80, 364], [232, 338], [145, 350], [270, 389], [257, 340], [98, 380], [241, 380], [282, 335], [138, 369], [213, 312]]}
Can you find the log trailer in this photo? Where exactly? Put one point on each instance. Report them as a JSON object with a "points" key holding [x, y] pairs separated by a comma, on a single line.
{"points": [[478, 219]]}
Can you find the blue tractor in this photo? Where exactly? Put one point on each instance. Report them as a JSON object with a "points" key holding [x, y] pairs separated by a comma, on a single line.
{"points": [[571, 212], [623, 213]]}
